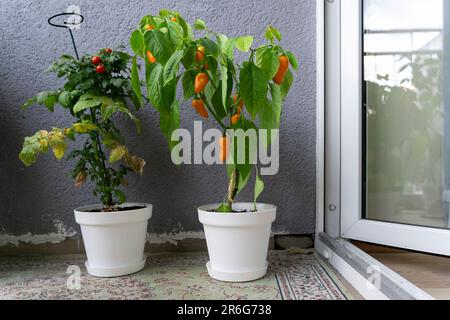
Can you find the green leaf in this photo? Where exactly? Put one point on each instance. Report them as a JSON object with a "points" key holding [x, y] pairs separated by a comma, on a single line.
{"points": [[217, 102], [270, 114], [155, 82], [117, 153], [199, 24], [187, 29], [158, 45], [244, 175], [137, 43], [65, 99], [189, 57], [292, 60], [120, 196], [287, 83], [226, 46], [244, 43], [211, 48], [226, 59], [272, 33], [48, 99], [135, 119], [269, 35], [175, 33], [109, 107], [164, 13], [188, 80], [29, 103], [267, 60], [253, 87], [169, 122], [86, 104], [168, 94], [259, 187], [172, 66], [135, 83], [224, 85], [224, 208], [33, 146]]}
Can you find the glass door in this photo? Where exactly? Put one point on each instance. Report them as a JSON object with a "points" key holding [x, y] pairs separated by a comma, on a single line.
{"points": [[406, 175], [394, 122]]}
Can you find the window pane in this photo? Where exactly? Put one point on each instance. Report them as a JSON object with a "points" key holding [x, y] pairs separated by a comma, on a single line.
{"points": [[407, 111]]}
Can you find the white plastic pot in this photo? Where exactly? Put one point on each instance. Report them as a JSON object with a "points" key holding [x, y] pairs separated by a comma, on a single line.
{"points": [[114, 241], [237, 242]]}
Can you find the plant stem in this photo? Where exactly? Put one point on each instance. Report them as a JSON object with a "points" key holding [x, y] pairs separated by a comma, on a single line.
{"points": [[232, 187], [224, 127], [102, 161]]}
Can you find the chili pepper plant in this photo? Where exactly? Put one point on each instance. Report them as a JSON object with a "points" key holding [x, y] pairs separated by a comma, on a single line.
{"points": [[245, 96]]}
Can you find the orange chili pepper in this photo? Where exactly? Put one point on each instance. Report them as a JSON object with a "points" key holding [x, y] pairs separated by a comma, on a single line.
{"points": [[200, 53], [284, 66], [150, 57], [199, 106], [235, 118], [201, 80]]}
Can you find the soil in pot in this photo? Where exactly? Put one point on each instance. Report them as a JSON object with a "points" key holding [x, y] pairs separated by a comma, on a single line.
{"points": [[117, 209], [235, 211]]}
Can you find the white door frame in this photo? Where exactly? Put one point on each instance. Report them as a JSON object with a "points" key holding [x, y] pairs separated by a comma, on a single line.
{"points": [[342, 140], [347, 259]]}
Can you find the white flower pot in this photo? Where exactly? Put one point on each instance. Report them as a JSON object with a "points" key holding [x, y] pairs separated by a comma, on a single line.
{"points": [[114, 241], [237, 242]]}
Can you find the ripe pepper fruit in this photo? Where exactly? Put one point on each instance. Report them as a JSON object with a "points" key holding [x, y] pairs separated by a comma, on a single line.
{"points": [[199, 106], [149, 27], [223, 146], [200, 54], [100, 69], [150, 57], [235, 118], [201, 80], [108, 50], [174, 19], [96, 60], [240, 105], [284, 66]]}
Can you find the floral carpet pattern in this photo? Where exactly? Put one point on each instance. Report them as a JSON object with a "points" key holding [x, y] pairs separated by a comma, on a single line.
{"points": [[291, 276]]}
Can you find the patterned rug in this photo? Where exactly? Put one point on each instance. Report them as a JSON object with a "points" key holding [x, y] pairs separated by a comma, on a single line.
{"points": [[291, 276]]}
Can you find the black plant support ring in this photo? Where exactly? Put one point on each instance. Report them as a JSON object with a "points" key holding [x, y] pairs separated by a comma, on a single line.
{"points": [[67, 25]]}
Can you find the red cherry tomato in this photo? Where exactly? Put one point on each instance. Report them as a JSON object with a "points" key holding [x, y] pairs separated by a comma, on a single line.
{"points": [[109, 50], [96, 60], [100, 69]]}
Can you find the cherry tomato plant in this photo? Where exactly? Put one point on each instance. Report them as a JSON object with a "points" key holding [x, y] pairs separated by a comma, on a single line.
{"points": [[97, 87], [238, 96]]}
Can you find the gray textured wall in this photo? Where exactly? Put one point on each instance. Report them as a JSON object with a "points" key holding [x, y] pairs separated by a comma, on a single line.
{"points": [[41, 198]]}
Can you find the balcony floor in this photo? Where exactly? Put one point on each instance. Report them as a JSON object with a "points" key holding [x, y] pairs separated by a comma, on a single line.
{"points": [[291, 276]]}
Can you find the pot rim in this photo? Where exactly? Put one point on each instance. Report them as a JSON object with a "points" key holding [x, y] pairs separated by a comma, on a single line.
{"points": [[268, 209], [95, 206], [113, 218]]}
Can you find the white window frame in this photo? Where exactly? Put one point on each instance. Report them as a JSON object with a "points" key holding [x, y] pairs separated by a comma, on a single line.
{"points": [[342, 141]]}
